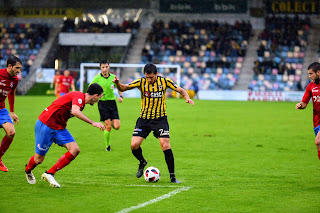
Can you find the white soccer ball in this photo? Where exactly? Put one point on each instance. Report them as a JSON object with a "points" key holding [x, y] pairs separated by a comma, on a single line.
{"points": [[151, 174]]}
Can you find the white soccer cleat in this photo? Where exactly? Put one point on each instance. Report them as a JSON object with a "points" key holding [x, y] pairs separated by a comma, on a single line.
{"points": [[50, 179], [30, 178]]}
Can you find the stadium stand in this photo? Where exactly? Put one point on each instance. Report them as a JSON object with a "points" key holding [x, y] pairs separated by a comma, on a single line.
{"points": [[127, 26], [23, 40], [210, 53], [281, 54]]}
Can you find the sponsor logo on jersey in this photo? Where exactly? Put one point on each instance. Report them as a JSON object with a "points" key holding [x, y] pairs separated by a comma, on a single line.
{"points": [[147, 94], [315, 89], [11, 84], [2, 83], [112, 86], [80, 101], [4, 92]]}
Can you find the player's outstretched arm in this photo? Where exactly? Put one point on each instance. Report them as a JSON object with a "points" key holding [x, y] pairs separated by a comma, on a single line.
{"points": [[301, 105], [185, 95], [121, 87], [75, 110]]}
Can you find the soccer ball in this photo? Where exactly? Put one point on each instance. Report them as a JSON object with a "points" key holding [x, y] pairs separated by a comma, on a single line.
{"points": [[151, 174]]}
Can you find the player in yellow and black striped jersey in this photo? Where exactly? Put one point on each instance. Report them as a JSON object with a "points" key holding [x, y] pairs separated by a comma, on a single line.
{"points": [[153, 115], [153, 96]]}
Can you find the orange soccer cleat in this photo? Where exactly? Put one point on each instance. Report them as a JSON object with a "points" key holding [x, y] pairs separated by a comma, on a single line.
{"points": [[3, 167]]}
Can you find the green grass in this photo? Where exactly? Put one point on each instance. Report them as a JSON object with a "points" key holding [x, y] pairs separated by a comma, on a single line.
{"points": [[235, 156]]}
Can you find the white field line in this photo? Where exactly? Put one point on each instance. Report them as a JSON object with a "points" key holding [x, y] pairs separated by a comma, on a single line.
{"points": [[155, 200], [114, 184]]}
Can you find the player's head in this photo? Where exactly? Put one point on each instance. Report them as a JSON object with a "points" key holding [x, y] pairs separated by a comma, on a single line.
{"points": [[66, 73], [150, 72], [104, 66], [314, 72], [14, 65], [96, 91]]}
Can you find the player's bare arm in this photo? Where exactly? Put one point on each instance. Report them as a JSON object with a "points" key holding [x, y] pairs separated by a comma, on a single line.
{"points": [[301, 105], [120, 98], [11, 98], [75, 110], [56, 88], [121, 87], [185, 95], [72, 86]]}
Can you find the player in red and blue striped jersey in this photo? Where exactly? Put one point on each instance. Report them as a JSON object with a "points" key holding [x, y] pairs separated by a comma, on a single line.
{"points": [[313, 91], [51, 128], [8, 85]]}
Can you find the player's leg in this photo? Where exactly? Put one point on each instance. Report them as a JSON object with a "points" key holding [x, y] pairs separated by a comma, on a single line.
{"points": [[317, 140], [114, 115], [43, 142], [8, 126], [107, 133], [105, 117], [33, 162], [161, 131], [141, 132], [65, 139], [167, 151], [116, 124], [136, 141]]}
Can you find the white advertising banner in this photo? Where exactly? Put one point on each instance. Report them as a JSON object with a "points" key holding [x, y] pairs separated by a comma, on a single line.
{"points": [[265, 96], [45, 75], [94, 39], [242, 95], [223, 95]]}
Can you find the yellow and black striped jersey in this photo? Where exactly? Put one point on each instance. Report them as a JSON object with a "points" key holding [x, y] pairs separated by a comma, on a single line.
{"points": [[153, 96]]}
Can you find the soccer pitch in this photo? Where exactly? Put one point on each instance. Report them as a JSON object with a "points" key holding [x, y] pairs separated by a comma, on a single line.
{"points": [[230, 157]]}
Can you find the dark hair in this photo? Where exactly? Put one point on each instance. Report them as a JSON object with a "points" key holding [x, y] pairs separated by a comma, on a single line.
{"points": [[315, 66], [94, 89], [13, 60], [150, 69], [104, 62]]}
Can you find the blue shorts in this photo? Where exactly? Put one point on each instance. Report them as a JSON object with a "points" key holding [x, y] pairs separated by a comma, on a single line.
{"points": [[45, 136], [316, 130], [5, 116], [62, 93]]}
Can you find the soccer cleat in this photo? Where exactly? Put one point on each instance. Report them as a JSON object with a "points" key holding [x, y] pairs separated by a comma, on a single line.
{"points": [[173, 178], [108, 149], [3, 167], [30, 178], [50, 179], [141, 167]]}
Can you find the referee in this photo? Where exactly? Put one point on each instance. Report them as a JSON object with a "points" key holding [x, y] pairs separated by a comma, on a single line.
{"points": [[107, 104]]}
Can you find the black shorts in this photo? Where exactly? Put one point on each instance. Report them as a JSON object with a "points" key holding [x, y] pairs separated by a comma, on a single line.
{"points": [[108, 110], [160, 127]]}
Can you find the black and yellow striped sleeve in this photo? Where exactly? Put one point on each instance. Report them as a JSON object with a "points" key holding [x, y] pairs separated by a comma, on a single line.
{"points": [[135, 84], [171, 84]]}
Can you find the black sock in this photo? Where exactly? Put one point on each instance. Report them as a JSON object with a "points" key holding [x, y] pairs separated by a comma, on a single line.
{"points": [[169, 160], [138, 154]]}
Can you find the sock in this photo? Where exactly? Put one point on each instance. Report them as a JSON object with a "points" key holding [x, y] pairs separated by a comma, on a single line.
{"points": [[319, 154], [62, 162], [31, 165], [106, 138], [4, 145], [169, 160], [138, 154]]}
